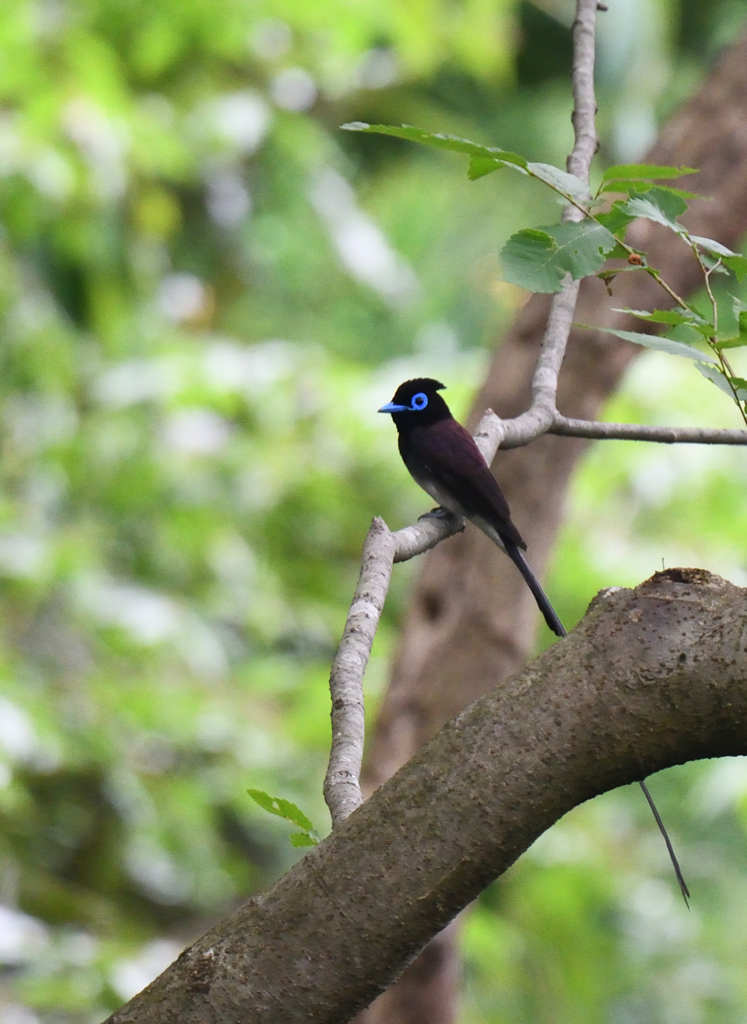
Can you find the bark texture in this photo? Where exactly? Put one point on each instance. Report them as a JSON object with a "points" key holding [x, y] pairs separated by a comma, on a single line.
{"points": [[472, 620], [652, 677]]}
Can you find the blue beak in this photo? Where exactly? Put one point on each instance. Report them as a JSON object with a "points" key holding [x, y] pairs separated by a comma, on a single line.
{"points": [[393, 407]]}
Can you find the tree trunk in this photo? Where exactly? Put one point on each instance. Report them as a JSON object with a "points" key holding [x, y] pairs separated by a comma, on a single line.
{"points": [[472, 620]]}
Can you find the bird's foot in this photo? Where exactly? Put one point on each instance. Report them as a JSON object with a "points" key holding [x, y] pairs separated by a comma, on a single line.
{"points": [[439, 512], [445, 515]]}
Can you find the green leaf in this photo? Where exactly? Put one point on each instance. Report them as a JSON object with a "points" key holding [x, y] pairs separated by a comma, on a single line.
{"points": [[298, 839], [735, 261], [738, 341], [618, 252], [479, 166], [737, 264], [483, 159], [713, 263], [739, 312], [711, 246], [625, 185], [539, 258], [732, 324], [681, 192], [631, 185], [438, 141], [657, 205], [739, 308], [674, 348], [676, 317], [716, 377], [616, 220], [528, 260], [645, 171], [281, 808], [582, 247], [560, 180]]}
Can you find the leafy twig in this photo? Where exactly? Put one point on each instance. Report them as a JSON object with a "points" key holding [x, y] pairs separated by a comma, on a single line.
{"points": [[308, 836]]}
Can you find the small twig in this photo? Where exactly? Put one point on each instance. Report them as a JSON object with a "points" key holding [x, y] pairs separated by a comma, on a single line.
{"points": [[707, 271], [678, 300]]}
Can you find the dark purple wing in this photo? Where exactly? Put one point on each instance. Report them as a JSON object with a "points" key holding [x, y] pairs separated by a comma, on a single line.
{"points": [[446, 453]]}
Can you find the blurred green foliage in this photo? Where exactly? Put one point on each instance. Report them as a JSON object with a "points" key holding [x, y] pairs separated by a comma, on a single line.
{"points": [[205, 293]]}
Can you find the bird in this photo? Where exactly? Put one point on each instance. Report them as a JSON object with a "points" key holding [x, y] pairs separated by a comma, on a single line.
{"points": [[444, 460]]}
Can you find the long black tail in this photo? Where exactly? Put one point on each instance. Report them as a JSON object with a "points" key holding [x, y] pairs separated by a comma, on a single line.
{"points": [[543, 601], [554, 623]]}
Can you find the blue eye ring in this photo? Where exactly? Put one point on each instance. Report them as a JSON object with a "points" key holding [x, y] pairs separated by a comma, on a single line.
{"points": [[419, 401]]}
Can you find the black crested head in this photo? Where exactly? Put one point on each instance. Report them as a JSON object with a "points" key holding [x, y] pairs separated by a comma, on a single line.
{"points": [[417, 403]]}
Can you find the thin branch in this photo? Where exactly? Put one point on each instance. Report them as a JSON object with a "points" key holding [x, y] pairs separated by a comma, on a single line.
{"points": [[568, 427], [341, 786], [381, 549], [541, 413], [584, 100]]}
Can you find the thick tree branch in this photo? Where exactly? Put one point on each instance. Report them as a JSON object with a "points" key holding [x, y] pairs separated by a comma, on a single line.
{"points": [[651, 678]]}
